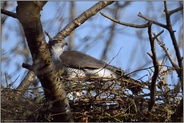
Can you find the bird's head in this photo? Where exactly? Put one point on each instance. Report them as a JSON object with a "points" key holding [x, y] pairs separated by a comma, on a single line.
{"points": [[57, 44], [57, 47]]}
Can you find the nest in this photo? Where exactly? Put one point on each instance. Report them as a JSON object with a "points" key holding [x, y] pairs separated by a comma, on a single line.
{"points": [[94, 99]]}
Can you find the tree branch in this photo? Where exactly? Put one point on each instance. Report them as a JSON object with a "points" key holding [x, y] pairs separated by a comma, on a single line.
{"points": [[168, 26], [82, 18], [152, 21], [156, 71], [175, 10], [176, 47], [166, 52], [42, 62], [123, 23], [11, 14]]}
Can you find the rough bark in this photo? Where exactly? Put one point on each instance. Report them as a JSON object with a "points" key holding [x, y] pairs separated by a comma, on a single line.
{"points": [[28, 13]]}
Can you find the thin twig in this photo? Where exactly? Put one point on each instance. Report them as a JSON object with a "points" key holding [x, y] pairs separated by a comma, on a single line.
{"points": [[11, 14], [156, 35], [116, 55], [123, 23], [48, 35]]}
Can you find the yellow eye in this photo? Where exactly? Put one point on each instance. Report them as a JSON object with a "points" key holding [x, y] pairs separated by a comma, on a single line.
{"points": [[58, 41]]}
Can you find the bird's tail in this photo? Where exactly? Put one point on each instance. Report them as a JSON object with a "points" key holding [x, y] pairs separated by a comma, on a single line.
{"points": [[134, 85]]}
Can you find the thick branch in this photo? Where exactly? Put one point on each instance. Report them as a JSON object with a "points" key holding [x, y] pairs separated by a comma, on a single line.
{"points": [[14, 15], [82, 18], [42, 63]]}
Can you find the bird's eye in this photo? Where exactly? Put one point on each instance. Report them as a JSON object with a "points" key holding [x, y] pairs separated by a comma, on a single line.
{"points": [[58, 41]]}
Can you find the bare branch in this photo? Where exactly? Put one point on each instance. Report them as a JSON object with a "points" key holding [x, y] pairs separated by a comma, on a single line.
{"points": [[27, 66], [11, 14], [125, 24], [152, 21], [38, 68], [4, 5], [156, 71], [156, 35], [167, 53], [175, 10], [48, 35], [82, 18], [174, 41]]}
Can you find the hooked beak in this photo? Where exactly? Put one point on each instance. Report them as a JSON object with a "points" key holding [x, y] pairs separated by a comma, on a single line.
{"points": [[64, 43]]}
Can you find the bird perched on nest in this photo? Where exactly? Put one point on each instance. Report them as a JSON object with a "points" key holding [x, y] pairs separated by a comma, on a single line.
{"points": [[78, 64]]}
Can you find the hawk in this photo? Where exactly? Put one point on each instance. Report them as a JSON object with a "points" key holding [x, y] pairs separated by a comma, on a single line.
{"points": [[78, 64]]}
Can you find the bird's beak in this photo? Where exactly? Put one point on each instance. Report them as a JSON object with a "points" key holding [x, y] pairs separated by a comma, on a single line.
{"points": [[64, 43]]}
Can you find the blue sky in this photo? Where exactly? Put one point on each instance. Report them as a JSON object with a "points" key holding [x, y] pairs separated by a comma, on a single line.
{"points": [[125, 36]]}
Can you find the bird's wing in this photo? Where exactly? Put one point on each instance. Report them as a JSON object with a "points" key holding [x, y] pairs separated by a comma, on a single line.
{"points": [[80, 60]]}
